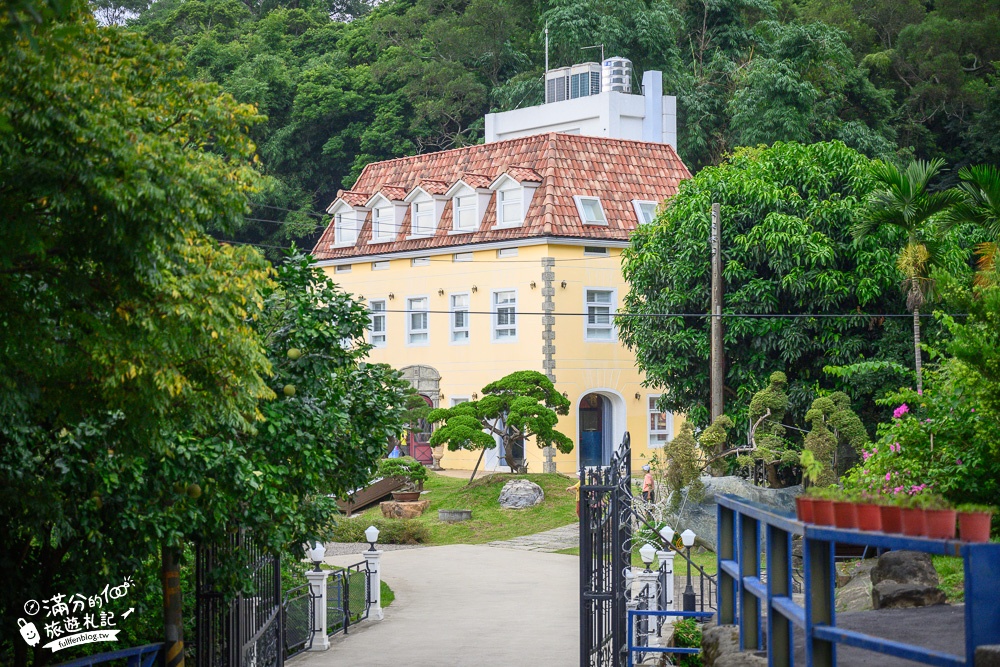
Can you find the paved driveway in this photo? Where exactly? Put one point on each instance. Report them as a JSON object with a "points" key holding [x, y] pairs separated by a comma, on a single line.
{"points": [[466, 605]]}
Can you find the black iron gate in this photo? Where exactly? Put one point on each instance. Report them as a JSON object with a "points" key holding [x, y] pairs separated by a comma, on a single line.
{"points": [[605, 554], [242, 630]]}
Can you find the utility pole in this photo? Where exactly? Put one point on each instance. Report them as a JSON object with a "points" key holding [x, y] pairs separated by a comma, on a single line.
{"points": [[717, 360]]}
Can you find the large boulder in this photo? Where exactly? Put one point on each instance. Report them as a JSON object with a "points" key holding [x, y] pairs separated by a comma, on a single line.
{"points": [[701, 516], [717, 641], [518, 494], [905, 579], [905, 567], [854, 586], [742, 659], [400, 510]]}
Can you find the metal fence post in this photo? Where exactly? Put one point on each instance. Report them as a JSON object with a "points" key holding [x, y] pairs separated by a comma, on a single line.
{"points": [[317, 589], [373, 558]]}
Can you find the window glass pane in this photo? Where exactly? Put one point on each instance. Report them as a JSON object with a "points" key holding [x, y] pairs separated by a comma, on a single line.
{"points": [[592, 212], [510, 206], [660, 424], [648, 212]]}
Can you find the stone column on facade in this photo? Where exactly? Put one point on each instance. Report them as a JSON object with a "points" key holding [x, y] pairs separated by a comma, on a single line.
{"points": [[548, 341], [318, 594]]}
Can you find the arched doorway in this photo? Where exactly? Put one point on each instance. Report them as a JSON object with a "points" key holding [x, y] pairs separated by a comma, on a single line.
{"points": [[596, 429], [419, 438]]}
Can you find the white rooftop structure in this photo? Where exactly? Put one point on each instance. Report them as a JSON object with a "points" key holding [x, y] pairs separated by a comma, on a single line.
{"points": [[651, 116]]}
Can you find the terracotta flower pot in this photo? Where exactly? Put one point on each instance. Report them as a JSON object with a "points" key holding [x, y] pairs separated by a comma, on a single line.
{"points": [[940, 524], [914, 522], [974, 526], [892, 519], [405, 496], [804, 508], [844, 514], [823, 512], [869, 517]]}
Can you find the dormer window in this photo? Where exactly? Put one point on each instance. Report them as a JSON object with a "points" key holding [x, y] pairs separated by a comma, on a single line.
{"points": [[383, 223], [509, 207], [464, 213], [345, 229], [645, 211], [591, 211], [515, 188], [423, 218]]}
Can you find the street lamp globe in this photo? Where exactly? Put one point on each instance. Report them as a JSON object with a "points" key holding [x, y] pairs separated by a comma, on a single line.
{"points": [[371, 534], [667, 533], [687, 537], [647, 553], [317, 553]]}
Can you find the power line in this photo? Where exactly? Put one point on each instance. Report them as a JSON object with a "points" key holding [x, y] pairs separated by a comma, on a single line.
{"points": [[644, 315]]}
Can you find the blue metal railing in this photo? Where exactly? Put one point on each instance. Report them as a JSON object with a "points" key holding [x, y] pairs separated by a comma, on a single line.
{"points": [[742, 591], [633, 648], [138, 656]]}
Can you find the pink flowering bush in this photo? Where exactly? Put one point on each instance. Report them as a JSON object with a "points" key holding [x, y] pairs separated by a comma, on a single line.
{"points": [[936, 441]]}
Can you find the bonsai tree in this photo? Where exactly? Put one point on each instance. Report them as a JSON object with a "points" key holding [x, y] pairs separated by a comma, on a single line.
{"points": [[524, 404], [415, 410], [767, 433], [836, 435], [684, 467], [406, 467]]}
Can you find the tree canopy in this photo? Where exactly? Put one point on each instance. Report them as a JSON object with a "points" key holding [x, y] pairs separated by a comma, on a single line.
{"points": [[522, 405], [786, 216]]}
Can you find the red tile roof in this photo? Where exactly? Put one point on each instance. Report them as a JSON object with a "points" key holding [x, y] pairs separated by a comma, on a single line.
{"points": [[477, 180], [524, 174], [353, 197], [563, 165], [392, 192], [434, 187]]}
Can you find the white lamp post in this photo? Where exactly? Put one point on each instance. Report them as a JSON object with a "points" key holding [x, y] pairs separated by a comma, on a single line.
{"points": [[317, 589], [687, 538], [374, 567]]}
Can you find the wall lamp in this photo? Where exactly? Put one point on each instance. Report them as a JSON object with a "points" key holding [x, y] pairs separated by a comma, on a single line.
{"points": [[533, 284], [475, 396], [474, 289], [391, 296], [440, 292], [638, 396], [563, 284]]}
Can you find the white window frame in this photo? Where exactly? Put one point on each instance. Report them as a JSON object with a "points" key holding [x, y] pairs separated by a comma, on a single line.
{"points": [[462, 257], [420, 261], [421, 232], [503, 204], [411, 331], [378, 339], [637, 204], [653, 436], [345, 230], [612, 311], [342, 268], [459, 335], [383, 224], [471, 208], [458, 400], [504, 253], [580, 208], [596, 251], [496, 327], [380, 265]]}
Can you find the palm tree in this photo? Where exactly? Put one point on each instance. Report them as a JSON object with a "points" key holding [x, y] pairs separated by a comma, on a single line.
{"points": [[903, 199], [980, 188]]}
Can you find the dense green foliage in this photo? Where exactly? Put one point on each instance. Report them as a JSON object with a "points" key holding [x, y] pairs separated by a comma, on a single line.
{"points": [[522, 405], [946, 437], [342, 86], [148, 393], [787, 212]]}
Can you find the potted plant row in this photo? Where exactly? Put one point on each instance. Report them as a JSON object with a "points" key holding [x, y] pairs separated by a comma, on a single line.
{"points": [[918, 515]]}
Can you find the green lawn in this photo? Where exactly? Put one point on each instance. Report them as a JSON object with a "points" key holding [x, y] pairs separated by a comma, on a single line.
{"points": [[489, 521], [705, 560]]}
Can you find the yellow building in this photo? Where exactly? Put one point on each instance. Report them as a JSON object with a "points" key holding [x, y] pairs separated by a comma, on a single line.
{"points": [[483, 260]]}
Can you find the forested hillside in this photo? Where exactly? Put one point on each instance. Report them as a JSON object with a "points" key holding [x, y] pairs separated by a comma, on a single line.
{"points": [[343, 84]]}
